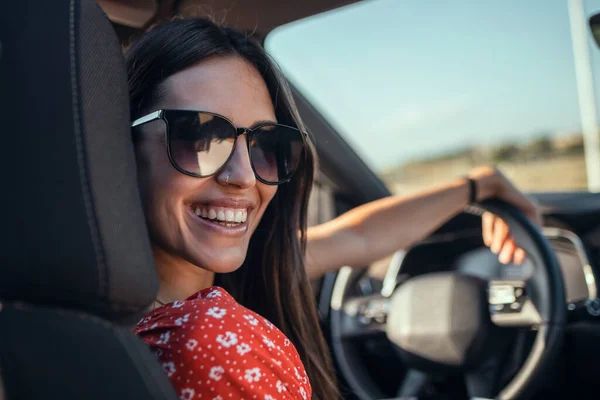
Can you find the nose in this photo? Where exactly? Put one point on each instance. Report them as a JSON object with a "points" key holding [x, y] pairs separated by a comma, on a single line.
{"points": [[238, 171]]}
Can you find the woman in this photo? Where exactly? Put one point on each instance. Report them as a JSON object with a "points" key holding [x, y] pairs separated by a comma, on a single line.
{"points": [[225, 193]]}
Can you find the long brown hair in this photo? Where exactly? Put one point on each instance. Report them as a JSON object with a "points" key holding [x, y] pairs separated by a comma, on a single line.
{"points": [[272, 281]]}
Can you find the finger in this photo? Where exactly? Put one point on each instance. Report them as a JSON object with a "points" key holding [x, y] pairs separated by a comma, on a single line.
{"points": [[519, 256], [487, 227], [500, 234], [507, 252]]}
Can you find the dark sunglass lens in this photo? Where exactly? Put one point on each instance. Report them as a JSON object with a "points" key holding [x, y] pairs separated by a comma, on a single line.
{"points": [[275, 152], [200, 143]]}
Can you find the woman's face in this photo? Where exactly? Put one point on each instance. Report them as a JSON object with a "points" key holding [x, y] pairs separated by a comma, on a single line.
{"points": [[232, 87]]}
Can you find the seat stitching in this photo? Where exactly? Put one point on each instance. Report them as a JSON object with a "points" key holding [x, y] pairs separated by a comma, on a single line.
{"points": [[81, 160]]}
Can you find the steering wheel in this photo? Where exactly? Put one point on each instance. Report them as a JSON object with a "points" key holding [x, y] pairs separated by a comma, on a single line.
{"points": [[449, 323]]}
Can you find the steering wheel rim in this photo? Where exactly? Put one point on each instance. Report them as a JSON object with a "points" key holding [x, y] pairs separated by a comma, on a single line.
{"points": [[549, 331]]}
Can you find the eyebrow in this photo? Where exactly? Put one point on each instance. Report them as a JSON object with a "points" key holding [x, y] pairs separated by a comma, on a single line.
{"points": [[262, 122]]}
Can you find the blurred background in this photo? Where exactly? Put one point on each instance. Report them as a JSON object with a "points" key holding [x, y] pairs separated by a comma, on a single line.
{"points": [[425, 91]]}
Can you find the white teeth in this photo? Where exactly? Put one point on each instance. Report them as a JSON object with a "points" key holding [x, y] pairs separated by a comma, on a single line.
{"points": [[212, 214], [222, 214], [239, 215]]}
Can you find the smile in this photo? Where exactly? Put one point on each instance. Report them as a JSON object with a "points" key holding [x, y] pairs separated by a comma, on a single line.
{"points": [[224, 220], [223, 215]]}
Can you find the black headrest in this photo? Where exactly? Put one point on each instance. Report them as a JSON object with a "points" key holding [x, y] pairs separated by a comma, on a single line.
{"points": [[73, 231]]}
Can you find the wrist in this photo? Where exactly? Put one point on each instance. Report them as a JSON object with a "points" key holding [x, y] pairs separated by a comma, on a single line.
{"points": [[472, 190], [486, 182]]}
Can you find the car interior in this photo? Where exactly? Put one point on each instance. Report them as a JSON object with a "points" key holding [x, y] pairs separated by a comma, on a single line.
{"points": [[443, 319]]}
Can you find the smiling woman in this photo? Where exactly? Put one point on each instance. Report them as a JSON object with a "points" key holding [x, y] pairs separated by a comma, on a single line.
{"points": [[187, 76], [230, 86]]}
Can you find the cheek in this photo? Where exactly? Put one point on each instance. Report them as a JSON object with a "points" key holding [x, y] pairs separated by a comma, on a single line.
{"points": [[266, 193], [152, 170], [161, 185]]}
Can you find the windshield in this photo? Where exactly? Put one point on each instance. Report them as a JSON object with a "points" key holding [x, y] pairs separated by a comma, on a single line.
{"points": [[424, 91]]}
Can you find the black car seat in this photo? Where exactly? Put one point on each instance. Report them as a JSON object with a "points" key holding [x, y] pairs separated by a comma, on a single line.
{"points": [[76, 269]]}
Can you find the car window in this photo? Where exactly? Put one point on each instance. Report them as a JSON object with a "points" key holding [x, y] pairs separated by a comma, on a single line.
{"points": [[321, 206], [424, 91]]}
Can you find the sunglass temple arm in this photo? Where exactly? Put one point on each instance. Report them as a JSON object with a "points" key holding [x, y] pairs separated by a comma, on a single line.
{"points": [[147, 118]]}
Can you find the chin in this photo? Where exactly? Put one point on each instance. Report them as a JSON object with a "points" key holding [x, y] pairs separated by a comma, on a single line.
{"points": [[220, 263], [224, 268]]}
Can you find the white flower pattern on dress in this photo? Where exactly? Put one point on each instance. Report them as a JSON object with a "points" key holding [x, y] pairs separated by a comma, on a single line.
{"points": [[302, 393], [276, 362], [243, 348], [179, 321], [216, 312], [268, 342], [253, 375], [268, 323], [191, 344], [210, 347], [213, 294], [169, 368], [216, 373], [164, 338], [187, 394], [280, 387], [227, 340], [251, 319]]}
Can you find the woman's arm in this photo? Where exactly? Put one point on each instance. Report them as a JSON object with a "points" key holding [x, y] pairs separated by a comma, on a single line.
{"points": [[377, 229]]}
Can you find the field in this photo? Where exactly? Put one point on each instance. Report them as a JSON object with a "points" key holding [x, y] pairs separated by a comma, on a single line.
{"points": [[549, 170]]}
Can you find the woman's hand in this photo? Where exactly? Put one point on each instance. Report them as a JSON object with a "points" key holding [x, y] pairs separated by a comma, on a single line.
{"points": [[491, 183]]}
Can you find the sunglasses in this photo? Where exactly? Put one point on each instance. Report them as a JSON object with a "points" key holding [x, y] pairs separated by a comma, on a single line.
{"points": [[200, 143]]}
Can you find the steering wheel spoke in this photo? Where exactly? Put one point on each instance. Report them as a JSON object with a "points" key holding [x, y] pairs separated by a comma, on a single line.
{"points": [[364, 316], [413, 384], [510, 305], [482, 382]]}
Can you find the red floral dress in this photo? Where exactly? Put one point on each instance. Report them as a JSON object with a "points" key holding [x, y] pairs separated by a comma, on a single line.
{"points": [[213, 348]]}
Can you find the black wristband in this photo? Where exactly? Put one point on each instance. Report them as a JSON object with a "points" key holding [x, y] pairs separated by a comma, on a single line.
{"points": [[472, 190]]}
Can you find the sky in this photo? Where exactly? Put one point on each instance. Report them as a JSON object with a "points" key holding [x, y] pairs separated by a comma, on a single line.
{"points": [[401, 79]]}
